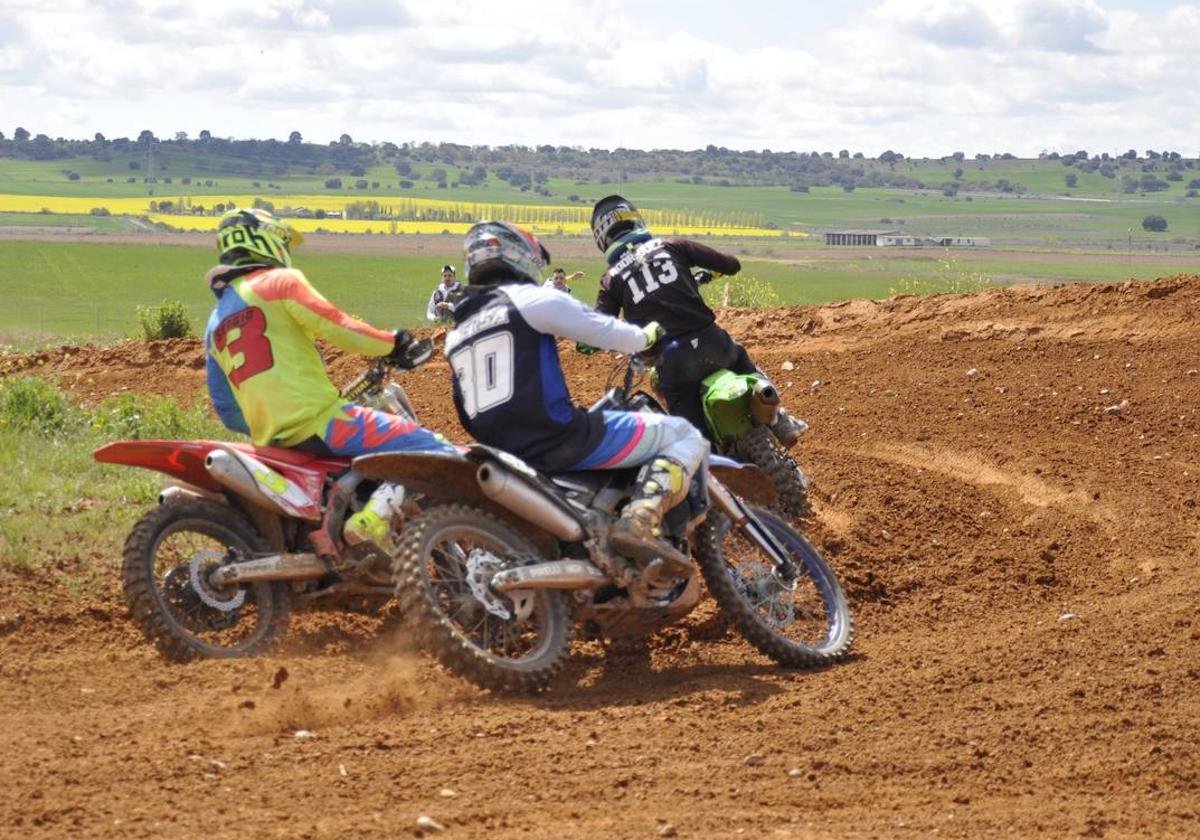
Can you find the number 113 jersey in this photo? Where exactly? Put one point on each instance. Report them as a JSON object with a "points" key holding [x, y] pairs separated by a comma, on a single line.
{"points": [[652, 281]]}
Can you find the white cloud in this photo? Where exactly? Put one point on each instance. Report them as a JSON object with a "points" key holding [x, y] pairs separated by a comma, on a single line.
{"points": [[919, 76]]}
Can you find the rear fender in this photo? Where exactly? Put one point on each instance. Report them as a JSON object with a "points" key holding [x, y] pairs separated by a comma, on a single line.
{"points": [[726, 403], [183, 460]]}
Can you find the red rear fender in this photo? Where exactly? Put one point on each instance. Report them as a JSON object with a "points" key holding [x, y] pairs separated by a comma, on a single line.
{"points": [[181, 459]]}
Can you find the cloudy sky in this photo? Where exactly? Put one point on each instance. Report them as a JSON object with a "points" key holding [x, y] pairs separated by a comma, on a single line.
{"points": [[923, 77]]}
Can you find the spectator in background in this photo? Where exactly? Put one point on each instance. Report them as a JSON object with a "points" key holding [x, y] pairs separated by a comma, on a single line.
{"points": [[559, 280], [441, 302]]}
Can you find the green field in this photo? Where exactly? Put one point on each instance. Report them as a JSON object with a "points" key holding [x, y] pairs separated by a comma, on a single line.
{"points": [[100, 224], [73, 290], [1094, 214]]}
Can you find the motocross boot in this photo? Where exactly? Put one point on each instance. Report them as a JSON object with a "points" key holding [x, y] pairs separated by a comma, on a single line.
{"points": [[637, 534], [373, 523], [787, 429]]}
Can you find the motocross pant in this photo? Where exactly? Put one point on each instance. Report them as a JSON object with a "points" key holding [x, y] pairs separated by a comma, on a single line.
{"points": [[684, 362], [635, 438], [351, 430]]}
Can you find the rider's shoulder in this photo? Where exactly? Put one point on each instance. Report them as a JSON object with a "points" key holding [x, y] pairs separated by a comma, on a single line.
{"points": [[282, 283]]}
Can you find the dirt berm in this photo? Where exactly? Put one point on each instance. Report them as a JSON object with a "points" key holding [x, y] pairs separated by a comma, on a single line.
{"points": [[1007, 484]]}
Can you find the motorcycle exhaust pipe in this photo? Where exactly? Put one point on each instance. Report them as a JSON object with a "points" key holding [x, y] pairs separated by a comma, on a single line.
{"points": [[232, 473], [176, 492], [557, 574], [764, 403], [276, 567], [508, 491]]}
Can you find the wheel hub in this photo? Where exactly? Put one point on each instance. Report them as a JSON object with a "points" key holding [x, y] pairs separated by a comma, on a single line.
{"points": [[766, 593]]}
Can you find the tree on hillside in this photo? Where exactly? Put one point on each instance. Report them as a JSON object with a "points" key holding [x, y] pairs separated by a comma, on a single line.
{"points": [[1072, 179], [205, 135], [295, 137], [346, 140], [1154, 223], [20, 135], [146, 137]]}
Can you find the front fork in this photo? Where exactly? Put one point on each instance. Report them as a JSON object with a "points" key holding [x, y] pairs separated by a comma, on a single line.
{"points": [[744, 519]]}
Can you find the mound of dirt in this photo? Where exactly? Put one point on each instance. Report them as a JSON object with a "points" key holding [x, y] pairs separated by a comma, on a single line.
{"points": [[1007, 484]]}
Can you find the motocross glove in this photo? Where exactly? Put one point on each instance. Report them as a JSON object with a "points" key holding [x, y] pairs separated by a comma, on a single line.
{"points": [[585, 349], [654, 334], [407, 352]]}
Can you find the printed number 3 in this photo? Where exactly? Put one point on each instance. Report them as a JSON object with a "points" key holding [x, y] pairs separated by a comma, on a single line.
{"points": [[485, 373], [666, 274], [251, 343]]}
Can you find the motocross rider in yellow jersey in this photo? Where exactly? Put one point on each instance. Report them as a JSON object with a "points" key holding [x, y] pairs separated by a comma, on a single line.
{"points": [[265, 374]]}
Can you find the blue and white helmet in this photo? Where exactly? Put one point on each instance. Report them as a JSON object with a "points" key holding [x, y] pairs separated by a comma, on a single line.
{"points": [[499, 251]]}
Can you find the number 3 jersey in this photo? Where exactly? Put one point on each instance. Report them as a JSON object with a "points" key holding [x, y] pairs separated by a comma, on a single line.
{"points": [[651, 280], [508, 383], [265, 374]]}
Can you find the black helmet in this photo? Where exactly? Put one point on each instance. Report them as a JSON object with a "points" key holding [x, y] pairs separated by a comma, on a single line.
{"points": [[612, 217]]}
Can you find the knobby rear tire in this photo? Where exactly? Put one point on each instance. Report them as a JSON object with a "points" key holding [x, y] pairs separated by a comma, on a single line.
{"points": [[760, 447], [440, 637], [144, 596]]}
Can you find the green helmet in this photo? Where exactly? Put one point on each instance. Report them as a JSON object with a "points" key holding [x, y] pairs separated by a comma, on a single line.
{"points": [[248, 236]]}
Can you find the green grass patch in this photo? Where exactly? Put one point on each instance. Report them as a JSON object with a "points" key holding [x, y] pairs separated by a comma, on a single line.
{"points": [[57, 505]]}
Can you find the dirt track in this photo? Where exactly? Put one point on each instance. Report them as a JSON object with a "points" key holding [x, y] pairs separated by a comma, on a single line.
{"points": [[1022, 563]]}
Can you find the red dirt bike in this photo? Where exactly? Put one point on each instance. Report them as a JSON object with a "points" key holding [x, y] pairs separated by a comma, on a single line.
{"points": [[243, 535]]}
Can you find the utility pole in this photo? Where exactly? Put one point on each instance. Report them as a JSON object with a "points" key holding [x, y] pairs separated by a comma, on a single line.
{"points": [[1130, 246]]}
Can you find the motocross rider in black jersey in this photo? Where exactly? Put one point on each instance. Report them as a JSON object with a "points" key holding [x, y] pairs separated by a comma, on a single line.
{"points": [[650, 280]]}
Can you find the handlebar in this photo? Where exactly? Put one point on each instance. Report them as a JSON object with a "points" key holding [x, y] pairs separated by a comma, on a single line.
{"points": [[418, 354]]}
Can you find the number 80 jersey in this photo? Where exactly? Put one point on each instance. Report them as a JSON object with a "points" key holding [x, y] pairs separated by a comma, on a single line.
{"points": [[508, 383], [652, 281]]}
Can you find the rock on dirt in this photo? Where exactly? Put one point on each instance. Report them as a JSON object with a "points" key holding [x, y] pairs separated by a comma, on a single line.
{"points": [[429, 825]]}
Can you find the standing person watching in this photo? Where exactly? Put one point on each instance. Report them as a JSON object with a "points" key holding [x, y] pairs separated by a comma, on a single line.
{"points": [[559, 280], [441, 302]]}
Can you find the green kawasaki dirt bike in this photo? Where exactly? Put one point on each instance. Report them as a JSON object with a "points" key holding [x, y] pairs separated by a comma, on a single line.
{"points": [[739, 410]]}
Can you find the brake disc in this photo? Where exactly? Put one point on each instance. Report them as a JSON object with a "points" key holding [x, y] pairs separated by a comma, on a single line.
{"points": [[204, 562], [482, 566]]}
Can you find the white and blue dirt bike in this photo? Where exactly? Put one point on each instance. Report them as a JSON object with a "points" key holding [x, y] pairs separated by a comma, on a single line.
{"points": [[504, 562]]}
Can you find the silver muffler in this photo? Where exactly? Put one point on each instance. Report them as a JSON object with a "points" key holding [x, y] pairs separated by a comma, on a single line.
{"points": [[764, 403], [510, 492], [175, 491], [557, 574], [273, 568], [273, 491]]}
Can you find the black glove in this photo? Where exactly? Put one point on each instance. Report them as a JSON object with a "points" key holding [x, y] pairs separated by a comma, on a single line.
{"points": [[408, 352]]}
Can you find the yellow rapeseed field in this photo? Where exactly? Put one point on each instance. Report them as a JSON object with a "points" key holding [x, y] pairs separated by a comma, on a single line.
{"points": [[415, 215]]}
